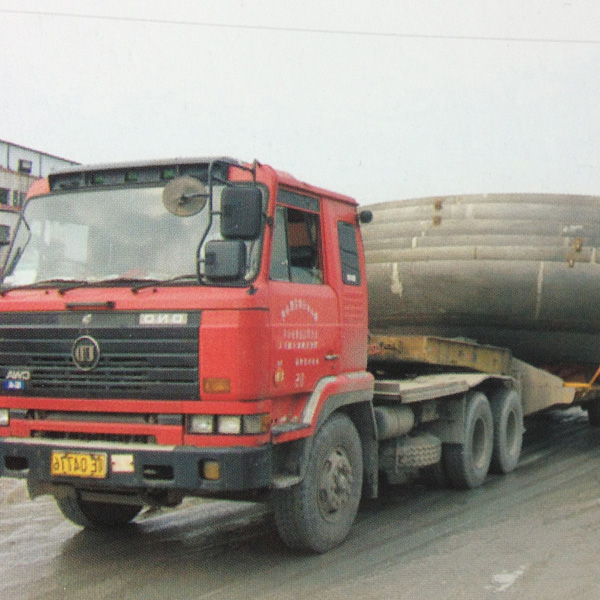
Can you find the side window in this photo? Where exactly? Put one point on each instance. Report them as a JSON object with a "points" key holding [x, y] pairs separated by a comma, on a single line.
{"points": [[280, 263], [296, 256], [349, 253]]}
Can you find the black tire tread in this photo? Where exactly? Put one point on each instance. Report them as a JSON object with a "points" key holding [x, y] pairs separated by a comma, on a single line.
{"points": [[457, 457], [298, 523], [505, 400], [96, 515]]}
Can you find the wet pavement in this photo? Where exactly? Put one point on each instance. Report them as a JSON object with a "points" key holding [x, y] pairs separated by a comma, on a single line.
{"points": [[532, 534]]}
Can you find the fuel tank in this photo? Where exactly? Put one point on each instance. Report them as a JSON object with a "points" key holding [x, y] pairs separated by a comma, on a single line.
{"points": [[519, 271]]}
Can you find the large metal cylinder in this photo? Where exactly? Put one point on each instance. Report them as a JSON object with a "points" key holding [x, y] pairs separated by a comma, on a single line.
{"points": [[514, 270]]}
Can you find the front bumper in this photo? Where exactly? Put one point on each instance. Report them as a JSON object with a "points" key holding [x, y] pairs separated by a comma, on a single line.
{"points": [[167, 468]]}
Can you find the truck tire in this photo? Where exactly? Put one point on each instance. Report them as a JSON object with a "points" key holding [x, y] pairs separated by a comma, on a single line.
{"points": [[96, 515], [508, 430], [467, 464], [316, 514]]}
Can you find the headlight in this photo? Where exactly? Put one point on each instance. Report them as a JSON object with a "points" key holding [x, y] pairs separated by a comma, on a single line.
{"points": [[257, 423], [230, 424], [201, 423], [4, 417]]}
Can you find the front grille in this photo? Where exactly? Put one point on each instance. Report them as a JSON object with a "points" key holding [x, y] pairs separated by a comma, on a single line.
{"points": [[136, 361]]}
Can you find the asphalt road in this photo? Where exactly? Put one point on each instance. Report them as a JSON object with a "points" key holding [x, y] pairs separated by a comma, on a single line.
{"points": [[532, 534]]}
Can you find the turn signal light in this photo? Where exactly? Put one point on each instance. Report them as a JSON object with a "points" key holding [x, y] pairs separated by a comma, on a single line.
{"points": [[216, 385]]}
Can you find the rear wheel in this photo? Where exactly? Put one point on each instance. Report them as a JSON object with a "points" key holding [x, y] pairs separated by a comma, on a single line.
{"points": [[317, 514], [508, 430], [96, 515], [466, 465]]}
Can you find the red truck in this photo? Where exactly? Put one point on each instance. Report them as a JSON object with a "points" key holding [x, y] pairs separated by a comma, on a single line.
{"points": [[199, 328]]}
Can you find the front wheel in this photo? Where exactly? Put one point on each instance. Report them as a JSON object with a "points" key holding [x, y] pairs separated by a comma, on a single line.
{"points": [[96, 515], [317, 514]]}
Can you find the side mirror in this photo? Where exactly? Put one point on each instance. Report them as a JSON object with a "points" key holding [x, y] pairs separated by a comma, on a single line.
{"points": [[365, 216], [225, 260], [241, 213]]}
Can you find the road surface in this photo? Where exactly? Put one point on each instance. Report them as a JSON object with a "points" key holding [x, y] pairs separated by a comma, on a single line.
{"points": [[532, 534]]}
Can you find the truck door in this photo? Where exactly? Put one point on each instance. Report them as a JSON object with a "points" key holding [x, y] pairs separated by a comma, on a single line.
{"points": [[305, 315]]}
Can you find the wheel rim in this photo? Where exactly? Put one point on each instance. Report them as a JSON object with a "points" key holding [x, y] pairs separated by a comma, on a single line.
{"points": [[335, 483]]}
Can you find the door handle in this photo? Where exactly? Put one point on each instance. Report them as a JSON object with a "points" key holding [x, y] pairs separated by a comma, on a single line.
{"points": [[332, 356]]}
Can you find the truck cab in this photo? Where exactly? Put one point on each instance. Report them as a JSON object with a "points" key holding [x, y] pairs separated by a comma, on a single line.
{"points": [[180, 328]]}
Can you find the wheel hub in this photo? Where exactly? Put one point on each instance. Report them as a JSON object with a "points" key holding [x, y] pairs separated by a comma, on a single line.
{"points": [[335, 482]]}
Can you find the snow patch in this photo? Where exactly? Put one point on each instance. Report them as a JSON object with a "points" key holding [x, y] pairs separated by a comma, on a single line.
{"points": [[502, 581]]}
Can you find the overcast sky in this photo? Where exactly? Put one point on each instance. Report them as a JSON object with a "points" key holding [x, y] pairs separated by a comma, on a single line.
{"points": [[380, 100]]}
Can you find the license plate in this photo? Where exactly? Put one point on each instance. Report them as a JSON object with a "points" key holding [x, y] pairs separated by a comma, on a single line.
{"points": [[79, 464]]}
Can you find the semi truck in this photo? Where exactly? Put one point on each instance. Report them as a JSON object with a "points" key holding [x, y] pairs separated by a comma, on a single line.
{"points": [[199, 328]]}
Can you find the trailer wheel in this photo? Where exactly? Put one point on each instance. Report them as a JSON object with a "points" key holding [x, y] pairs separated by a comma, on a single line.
{"points": [[96, 515], [508, 430], [317, 514], [467, 464]]}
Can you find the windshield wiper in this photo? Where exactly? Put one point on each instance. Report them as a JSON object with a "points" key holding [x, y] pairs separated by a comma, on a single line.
{"points": [[57, 281], [66, 285], [161, 282], [134, 282]]}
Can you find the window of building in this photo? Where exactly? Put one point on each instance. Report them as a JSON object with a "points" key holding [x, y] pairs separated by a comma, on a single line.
{"points": [[18, 198], [4, 196]]}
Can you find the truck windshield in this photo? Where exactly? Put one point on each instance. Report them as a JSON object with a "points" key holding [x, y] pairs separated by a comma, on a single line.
{"points": [[113, 234]]}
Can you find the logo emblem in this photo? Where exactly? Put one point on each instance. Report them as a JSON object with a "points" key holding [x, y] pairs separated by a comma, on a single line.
{"points": [[85, 353]]}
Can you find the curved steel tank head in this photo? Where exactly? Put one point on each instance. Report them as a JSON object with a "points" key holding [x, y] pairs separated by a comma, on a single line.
{"points": [[514, 270]]}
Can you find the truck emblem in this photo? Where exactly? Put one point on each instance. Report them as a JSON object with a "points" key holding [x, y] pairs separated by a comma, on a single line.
{"points": [[163, 319], [85, 353], [17, 374]]}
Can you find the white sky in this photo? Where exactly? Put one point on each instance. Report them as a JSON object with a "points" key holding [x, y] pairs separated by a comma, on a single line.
{"points": [[380, 100]]}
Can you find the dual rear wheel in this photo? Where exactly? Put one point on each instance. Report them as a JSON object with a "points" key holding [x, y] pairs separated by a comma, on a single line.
{"points": [[493, 436]]}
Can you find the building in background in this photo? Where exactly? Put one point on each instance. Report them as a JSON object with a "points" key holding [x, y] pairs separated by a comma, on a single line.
{"points": [[20, 167]]}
